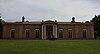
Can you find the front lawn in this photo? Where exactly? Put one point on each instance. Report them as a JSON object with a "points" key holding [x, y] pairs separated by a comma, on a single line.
{"points": [[49, 46]]}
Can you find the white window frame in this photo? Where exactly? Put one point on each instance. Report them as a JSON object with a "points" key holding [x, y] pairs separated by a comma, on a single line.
{"points": [[60, 34], [11, 34], [70, 33], [84, 33], [38, 33], [27, 35]]}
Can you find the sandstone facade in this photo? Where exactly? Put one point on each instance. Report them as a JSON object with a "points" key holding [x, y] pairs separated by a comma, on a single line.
{"points": [[48, 29]]}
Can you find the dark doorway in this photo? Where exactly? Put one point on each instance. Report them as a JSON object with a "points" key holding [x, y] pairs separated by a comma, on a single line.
{"points": [[49, 31]]}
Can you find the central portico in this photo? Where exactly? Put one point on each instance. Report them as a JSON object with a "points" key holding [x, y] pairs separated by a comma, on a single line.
{"points": [[49, 29]]}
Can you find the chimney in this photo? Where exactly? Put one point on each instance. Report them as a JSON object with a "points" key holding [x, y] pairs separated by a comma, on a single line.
{"points": [[23, 19], [73, 20]]}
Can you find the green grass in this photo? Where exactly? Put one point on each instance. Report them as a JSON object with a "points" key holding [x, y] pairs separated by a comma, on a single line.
{"points": [[49, 47]]}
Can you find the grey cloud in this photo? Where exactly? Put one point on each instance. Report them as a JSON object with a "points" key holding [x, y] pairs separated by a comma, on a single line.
{"points": [[12, 10]]}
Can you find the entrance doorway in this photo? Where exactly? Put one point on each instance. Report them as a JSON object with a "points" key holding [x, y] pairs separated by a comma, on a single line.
{"points": [[49, 31]]}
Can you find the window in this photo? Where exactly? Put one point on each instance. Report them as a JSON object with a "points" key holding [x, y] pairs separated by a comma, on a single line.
{"points": [[27, 32], [84, 33], [70, 34], [60, 33], [37, 33], [12, 33]]}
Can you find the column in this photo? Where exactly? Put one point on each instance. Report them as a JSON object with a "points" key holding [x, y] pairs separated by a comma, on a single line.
{"points": [[42, 31], [55, 31]]}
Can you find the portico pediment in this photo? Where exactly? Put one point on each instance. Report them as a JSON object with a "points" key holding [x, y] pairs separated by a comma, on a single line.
{"points": [[49, 22]]}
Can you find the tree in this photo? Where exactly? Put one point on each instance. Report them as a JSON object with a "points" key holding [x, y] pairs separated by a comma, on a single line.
{"points": [[86, 21], [1, 27], [96, 21]]}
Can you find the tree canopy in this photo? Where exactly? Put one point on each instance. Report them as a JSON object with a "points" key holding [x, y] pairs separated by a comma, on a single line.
{"points": [[1, 27], [96, 21]]}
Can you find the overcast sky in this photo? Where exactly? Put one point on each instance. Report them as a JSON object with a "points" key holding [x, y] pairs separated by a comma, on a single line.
{"points": [[61, 10]]}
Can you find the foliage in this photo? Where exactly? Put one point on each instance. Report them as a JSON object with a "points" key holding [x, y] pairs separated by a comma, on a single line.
{"points": [[96, 21], [87, 22], [1, 27], [50, 46]]}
